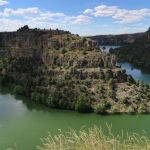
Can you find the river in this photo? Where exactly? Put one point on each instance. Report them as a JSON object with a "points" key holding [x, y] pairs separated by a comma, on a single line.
{"points": [[23, 123], [137, 74]]}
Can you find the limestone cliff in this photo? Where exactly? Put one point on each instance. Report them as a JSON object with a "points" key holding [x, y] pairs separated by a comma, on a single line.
{"points": [[27, 42]]}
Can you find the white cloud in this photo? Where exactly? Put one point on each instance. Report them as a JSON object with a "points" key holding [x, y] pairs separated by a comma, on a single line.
{"points": [[120, 15], [81, 19], [49, 14], [12, 25], [20, 11], [35, 17], [9, 25], [34, 14], [129, 16], [3, 2], [104, 10], [88, 11]]}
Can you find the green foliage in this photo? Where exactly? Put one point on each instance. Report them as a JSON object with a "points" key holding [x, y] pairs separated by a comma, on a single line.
{"points": [[108, 74], [113, 109], [50, 101], [81, 105], [63, 51], [101, 107], [141, 108], [3, 80], [137, 53], [130, 109], [18, 90], [124, 100], [130, 79], [111, 84]]}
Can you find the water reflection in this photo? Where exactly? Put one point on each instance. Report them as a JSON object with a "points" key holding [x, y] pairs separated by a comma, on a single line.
{"points": [[106, 48], [22, 101]]}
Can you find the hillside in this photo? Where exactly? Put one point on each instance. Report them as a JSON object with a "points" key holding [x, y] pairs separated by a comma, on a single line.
{"points": [[62, 70], [137, 53], [120, 39]]}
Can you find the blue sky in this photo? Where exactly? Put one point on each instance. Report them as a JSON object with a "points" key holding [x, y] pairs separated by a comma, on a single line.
{"points": [[83, 17]]}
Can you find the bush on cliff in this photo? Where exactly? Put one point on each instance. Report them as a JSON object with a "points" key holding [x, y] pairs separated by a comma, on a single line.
{"points": [[81, 105]]}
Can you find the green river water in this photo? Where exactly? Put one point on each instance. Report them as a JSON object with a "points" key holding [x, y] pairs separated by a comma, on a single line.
{"points": [[23, 123]]}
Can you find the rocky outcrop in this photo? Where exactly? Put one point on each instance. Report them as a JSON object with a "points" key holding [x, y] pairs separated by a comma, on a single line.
{"points": [[90, 60], [31, 42]]}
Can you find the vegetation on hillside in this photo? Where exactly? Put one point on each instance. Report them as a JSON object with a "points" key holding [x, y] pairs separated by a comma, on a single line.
{"points": [[70, 72], [137, 53], [120, 39]]}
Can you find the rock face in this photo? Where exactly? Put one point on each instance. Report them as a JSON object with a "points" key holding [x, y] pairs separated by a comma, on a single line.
{"points": [[62, 70], [27, 42]]}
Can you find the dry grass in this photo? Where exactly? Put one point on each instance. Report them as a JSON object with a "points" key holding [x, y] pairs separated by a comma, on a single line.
{"points": [[94, 139]]}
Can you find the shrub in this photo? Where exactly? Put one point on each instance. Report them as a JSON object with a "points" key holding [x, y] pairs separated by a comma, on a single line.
{"points": [[141, 108], [49, 100], [130, 109], [81, 105], [130, 79], [63, 51], [111, 93], [114, 109], [108, 74], [101, 108], [124, 100], [18, 90]]}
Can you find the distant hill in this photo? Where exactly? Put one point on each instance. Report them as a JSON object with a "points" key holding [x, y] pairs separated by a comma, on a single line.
{"points": [[137, 53], [121, 39]]}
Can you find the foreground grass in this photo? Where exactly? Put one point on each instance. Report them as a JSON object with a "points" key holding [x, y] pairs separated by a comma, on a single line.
{"points": [[94, 139]]}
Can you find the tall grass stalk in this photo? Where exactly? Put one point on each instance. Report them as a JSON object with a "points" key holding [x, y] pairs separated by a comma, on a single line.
{"points": [[94, 139]]}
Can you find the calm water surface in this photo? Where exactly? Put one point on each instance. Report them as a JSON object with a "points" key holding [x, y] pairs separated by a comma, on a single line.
{"points": [[137, 74], [23, 123], [106, 48]]}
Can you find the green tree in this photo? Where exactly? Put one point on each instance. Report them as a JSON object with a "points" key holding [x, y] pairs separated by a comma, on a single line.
{"points": [[141, 108], [101, 107], [130, 79], [18, 90], [50, 101], [81, 105]]}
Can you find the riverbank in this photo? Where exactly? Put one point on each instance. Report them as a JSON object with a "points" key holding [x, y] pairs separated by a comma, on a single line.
{"points": [[96, 139]]}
